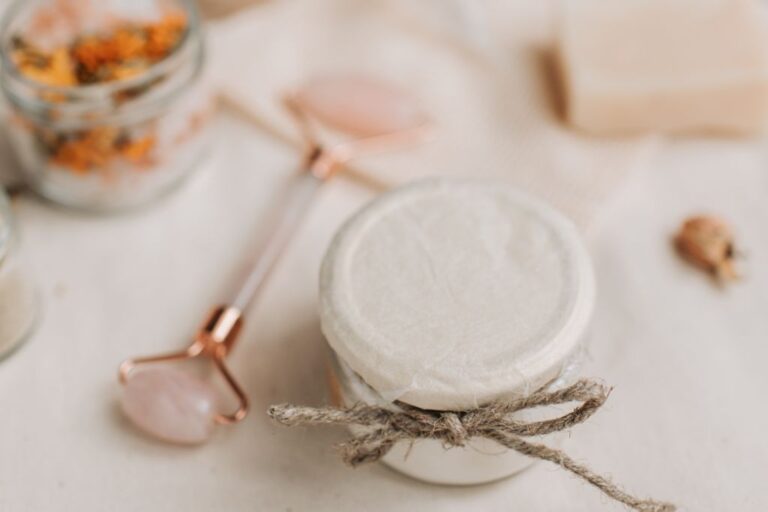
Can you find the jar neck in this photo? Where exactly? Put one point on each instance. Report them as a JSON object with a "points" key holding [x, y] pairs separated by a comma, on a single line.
{"points": [[352, 388]]}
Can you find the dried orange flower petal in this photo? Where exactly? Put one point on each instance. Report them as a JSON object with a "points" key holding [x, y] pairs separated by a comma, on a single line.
{"points": [[138, 151], [57, 70], [164, 36]]}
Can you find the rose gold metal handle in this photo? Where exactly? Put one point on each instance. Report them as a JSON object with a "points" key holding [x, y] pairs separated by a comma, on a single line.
{"points": [[218, 334], [242, 409]]}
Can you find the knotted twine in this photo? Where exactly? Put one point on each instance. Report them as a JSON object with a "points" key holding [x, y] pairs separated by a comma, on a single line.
{"points": [[385, 427]]}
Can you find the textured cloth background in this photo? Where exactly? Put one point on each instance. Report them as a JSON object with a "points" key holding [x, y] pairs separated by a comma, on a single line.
{"points": [[686, 422], [482, 71]]}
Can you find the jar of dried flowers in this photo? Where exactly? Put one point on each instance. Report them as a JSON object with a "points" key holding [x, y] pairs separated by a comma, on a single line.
{"points": [[107, 100]]}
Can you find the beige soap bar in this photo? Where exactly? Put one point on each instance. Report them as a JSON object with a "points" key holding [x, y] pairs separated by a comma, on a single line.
{"points": [[664, 65]]}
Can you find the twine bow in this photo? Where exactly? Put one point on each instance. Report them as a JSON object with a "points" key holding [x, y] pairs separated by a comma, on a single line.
{"points": [[385, 427]]}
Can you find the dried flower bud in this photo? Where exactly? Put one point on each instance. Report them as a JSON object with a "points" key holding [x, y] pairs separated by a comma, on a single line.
{"points": [[707, 242]]}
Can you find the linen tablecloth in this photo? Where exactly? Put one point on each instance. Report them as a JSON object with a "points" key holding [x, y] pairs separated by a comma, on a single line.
{"points": [[686, 421]]}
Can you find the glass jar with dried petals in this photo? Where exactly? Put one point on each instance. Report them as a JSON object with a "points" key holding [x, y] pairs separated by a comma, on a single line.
{"points": [[107, 100]]}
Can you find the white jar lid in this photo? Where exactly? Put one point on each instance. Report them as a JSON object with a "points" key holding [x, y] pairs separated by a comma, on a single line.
{"points": [[447, 294]]}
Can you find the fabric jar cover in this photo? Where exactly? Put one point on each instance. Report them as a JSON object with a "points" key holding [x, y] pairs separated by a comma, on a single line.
{"points": [[447, 294]]}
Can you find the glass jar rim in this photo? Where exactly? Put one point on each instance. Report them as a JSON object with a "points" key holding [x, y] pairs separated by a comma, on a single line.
{"points": [[96, 92]]}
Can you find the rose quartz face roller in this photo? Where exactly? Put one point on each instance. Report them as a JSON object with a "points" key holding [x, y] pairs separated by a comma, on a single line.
{"points": [[372, 116]]}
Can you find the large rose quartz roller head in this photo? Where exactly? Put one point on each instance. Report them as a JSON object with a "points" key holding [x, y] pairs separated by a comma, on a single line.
{"points": [[178, 407], [171, 404]]}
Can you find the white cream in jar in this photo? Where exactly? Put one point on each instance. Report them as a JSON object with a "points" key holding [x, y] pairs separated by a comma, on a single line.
{"points": [[449, 294]]}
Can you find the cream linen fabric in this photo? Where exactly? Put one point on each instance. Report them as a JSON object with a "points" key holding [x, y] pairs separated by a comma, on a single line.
{"points": [[482, 72], [686, 421]]}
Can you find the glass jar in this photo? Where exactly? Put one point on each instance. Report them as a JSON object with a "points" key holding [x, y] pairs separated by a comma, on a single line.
{"points": [[450, 294], [18, 303], [107, 101]]}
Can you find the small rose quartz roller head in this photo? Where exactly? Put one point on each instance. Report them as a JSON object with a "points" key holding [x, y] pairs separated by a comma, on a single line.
{"points": [[372, 116]]}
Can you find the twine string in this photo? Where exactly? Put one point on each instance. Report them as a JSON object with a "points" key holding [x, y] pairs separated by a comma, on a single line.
{"points": [[385, 427]]}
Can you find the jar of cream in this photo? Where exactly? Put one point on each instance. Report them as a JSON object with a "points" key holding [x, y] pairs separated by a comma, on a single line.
{"points": [[17, 295], [450, 294]]}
